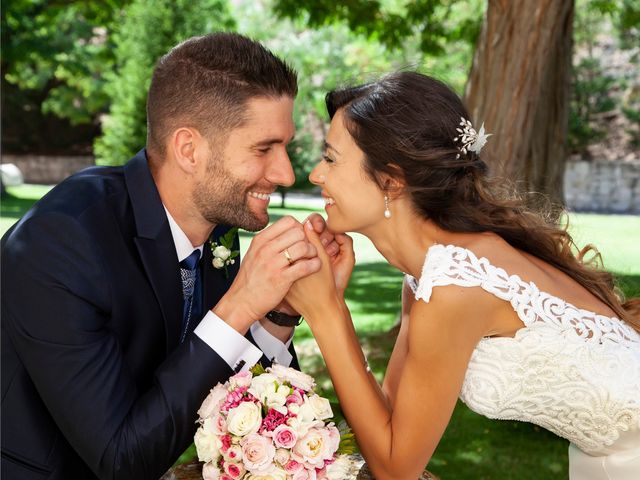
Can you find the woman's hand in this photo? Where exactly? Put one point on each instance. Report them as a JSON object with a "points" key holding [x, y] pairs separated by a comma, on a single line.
{"points": [[313, 294], [339, 247]]}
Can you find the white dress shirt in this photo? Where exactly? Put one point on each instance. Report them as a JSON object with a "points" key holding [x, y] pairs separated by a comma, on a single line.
{"points": [[227, 342]]}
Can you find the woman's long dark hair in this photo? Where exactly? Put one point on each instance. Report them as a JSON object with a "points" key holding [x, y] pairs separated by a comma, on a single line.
{"points": [[406, 123]]}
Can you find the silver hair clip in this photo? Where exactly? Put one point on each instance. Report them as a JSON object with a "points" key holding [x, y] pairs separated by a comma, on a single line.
{"points": [[471, 140]]}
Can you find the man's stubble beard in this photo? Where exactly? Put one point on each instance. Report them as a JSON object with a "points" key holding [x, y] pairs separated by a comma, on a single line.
{"points": [[222, 199]]}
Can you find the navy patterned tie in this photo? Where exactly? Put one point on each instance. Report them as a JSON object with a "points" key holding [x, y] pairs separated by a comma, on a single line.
{"points": [[189, 275]]}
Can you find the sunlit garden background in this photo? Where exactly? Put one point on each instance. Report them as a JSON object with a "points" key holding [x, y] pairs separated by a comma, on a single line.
{"points": [[74, 81]]}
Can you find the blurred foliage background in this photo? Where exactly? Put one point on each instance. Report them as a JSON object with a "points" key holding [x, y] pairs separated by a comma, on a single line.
{"points": [[75, 73]]}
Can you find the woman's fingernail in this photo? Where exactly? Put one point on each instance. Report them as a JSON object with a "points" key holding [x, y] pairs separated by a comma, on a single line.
{"points": [[308, 225], [324, 241]]}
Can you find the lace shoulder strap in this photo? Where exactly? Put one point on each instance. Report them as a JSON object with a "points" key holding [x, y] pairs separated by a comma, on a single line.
{"points": [[452, 265]]}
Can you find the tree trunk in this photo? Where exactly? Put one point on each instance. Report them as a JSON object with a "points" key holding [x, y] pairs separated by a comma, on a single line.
{"points": [[519, 87]]}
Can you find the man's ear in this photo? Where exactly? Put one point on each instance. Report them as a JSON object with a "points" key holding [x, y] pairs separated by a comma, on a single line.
{"points": [[185, 145]]}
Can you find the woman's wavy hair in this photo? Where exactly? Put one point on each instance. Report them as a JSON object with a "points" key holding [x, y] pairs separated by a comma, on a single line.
{"points": [[406, 123]]}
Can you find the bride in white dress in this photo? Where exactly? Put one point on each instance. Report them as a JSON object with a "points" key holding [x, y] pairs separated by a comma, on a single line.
{"points": [[497, 310]]}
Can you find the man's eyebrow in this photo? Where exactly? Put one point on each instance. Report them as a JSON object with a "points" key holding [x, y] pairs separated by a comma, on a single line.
{"points": [[328, 146], [271, 141]]}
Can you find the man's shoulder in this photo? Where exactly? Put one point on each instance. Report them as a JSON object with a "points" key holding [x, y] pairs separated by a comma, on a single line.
{"points": [[86, 197]]}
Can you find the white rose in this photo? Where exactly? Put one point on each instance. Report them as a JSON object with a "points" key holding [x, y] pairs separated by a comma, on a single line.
{"points": [[310, 449], [221, 252], [274, 474], [304, 421], [293, 376], [321, 407], [339, 469], [218, 262], [244, 419], [257, 453], [331, 442], [210, 471], [260, 383], [206, 445], [213, 402], [282, 456], [276, 397]]}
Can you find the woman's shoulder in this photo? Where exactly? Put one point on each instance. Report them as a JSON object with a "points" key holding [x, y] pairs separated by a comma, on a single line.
{"points": [[464, 264]]}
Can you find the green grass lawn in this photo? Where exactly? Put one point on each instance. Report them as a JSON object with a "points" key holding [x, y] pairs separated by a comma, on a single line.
{"points": [[473, 447]]}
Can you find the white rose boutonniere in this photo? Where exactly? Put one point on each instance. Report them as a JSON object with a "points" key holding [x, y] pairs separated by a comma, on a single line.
{"points": [[223, 253]]}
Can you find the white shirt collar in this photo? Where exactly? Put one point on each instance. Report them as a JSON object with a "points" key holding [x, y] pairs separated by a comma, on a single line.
{"points": [[180, 239]]}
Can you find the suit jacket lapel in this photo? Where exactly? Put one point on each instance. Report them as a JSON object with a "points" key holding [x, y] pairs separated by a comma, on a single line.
{"points": [[155, 245]]}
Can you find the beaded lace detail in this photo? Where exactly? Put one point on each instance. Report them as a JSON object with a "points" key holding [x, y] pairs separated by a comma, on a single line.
{"points": [[569, 370]]}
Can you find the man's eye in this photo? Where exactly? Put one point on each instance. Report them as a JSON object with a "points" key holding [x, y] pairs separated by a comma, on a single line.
{"points": [[264, 150]]}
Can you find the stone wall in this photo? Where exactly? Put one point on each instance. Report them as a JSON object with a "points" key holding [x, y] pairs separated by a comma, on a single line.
{"points": [[47, 170], [607, 187]]}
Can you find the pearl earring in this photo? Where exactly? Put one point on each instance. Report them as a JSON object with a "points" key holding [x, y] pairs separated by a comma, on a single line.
{"points": [[387, 212]]}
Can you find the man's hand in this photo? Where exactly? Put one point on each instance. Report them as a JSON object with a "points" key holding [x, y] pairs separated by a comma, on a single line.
{"points": [[266, 274]]}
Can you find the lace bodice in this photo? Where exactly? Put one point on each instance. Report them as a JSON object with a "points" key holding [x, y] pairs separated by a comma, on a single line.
{"points": [[569, 370]]}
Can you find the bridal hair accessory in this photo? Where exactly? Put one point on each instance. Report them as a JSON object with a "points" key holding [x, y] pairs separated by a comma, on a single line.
{"points": [[471, 140], [387, 212]]}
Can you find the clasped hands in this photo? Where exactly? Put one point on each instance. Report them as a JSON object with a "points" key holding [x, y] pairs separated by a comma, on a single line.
{"points": [[291, 267]]}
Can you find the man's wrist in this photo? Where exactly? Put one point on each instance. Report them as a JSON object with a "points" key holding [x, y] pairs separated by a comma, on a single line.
{"points": [[234, 314], [281, 333], [284, 319]]}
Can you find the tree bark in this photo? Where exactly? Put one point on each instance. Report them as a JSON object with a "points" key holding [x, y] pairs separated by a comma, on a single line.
{"points": [[519, 87]]}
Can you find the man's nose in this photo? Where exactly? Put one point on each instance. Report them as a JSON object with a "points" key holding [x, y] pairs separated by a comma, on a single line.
{"points": [[280, 170]]}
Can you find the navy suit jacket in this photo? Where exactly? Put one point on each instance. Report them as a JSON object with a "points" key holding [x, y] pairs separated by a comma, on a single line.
{"points": [[94, 380]]}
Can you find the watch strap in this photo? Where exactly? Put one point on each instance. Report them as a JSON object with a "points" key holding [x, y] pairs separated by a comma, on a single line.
{"points": [[283, 319]]}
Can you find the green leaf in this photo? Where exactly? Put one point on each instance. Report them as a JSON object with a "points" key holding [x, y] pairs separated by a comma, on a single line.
{"points": [[257, 369]]}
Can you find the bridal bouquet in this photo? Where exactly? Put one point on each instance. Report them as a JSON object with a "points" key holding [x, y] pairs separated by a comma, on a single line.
{"points": [[270, 425]]}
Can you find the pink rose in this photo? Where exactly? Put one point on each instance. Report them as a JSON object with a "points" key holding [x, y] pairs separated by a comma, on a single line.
{"points": [[219, 425], [226, 442], [242, 379], [234, 453], [224, 476], [295, 398], [234, 470], [331, 441], [210, 471], [257, 453], [292, 467], [304, 474], [284, 436]]}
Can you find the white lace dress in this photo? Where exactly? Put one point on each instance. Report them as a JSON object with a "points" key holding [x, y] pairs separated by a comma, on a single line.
{"points": [[571, 371]]}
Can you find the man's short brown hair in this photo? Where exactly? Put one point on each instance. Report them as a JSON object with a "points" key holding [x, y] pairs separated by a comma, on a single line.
{"points": [[205, 83]]}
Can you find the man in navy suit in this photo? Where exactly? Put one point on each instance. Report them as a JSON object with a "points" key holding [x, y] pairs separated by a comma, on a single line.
{"points": [[102, 368]]}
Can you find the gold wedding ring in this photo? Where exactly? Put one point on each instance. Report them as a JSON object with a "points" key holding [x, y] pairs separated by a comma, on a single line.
{"points": [[287, 256]]}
